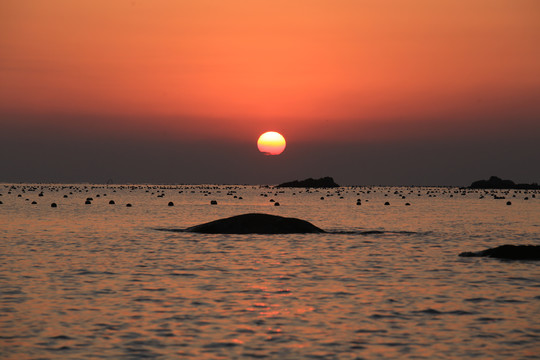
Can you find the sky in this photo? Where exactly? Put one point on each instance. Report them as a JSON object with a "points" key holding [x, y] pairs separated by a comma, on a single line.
{"points": [[385, 92]]}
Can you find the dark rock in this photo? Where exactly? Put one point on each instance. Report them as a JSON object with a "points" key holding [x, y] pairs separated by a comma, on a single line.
{"points": [[111, 202], [256, 224], [87, 202], [495, 182], [213, 202], [508, 203], [276, 204], [128, 205], [387, 203], [325, 182], [170, 203], [54, 205], [510, 252]]}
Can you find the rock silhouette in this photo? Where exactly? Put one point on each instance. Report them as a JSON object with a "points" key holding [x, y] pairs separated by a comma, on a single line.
{"points": [[510, 252], [256, 224], [495, 182], [325, 182]]}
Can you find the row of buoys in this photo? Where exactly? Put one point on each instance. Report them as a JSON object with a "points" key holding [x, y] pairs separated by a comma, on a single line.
{"points": [[87, 202], [387, 204]]}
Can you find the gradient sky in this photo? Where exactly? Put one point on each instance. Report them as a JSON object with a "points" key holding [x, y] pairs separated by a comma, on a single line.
{"points": [[370, 92]]}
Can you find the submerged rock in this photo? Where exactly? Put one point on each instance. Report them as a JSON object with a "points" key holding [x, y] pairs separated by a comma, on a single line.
{"points": [[256, 224], [510, 252]]}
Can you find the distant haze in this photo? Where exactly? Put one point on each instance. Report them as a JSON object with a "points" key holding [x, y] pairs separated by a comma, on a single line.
{"points": [[391, 92]]}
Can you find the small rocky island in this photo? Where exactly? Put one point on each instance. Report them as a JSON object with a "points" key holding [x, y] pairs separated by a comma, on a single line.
{"points": [[495, 182], [325, 182], [256, 224]]}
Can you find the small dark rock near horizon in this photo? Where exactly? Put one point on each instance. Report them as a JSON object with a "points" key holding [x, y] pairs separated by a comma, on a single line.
{"points": [[509, 252], [256, 224], [495, 182], [325, 182]]}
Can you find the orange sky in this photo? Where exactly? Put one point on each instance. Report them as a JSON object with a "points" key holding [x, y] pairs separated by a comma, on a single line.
{"points": [[340, 70]]}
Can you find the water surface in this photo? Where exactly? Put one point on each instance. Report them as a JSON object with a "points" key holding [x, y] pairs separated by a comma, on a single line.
{"points": [[99, 281]]}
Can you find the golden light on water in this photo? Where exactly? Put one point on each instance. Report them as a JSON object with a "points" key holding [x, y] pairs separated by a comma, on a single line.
{"points": [[271, 143]]}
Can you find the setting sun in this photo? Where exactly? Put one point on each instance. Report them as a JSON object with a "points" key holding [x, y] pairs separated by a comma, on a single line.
{"points": [[271, 143]]}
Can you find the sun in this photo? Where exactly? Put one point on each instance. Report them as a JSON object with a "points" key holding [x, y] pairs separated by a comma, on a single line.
{"points": [[271, 143]]}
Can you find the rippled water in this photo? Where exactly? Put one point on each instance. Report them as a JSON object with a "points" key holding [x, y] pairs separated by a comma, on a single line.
{"points": [[99, 281]]}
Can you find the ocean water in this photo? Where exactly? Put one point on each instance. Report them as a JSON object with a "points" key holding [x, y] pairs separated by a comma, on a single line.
{"points": [[102, 281]]}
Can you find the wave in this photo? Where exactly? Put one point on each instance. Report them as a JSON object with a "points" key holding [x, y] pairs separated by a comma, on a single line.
{"points": [[332, 232]]}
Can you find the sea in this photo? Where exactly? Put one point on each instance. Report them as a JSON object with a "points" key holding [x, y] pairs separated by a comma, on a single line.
{"points": [[94, 278]]}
